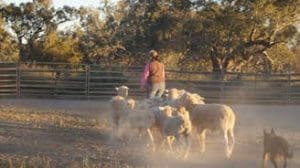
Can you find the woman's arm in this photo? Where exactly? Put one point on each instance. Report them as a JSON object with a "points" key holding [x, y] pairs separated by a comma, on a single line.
{"points": [[145, 75]]}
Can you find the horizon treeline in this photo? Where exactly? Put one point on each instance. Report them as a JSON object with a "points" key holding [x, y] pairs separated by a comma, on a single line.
{"points": [[201, 35]]}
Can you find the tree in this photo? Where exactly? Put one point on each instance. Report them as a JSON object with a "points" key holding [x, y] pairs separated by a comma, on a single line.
{"points": [[273, 24], [152, 24], [33, 20], [8, 47], [211, 35], [97, 37], [240, 30], [296, 51], [58, 48]]}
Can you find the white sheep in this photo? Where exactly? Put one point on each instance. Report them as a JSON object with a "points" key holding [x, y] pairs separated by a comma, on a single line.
{"points": [[122, 91], [174, 95], [121, 105], [176, 126], [142, 119], [210, 117]]}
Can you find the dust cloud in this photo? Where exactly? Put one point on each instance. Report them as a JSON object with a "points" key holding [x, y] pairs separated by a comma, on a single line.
{"points": [[95, 143]]}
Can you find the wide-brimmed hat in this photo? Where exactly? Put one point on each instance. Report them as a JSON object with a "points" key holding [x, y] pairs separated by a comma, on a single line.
{"points": [[153, 53]]}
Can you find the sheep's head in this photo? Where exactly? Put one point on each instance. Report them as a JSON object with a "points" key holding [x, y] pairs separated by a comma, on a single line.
{"points": [[181, 92], [191, 98], [131, 104], [166, 110], [196, 99], [116, 99], [173, 94], [185, 99], [165, 95], [122, 91], [182, 112]]}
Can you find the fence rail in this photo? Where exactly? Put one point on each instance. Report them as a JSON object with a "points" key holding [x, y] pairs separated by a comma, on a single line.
{"points": [[54, 80]]}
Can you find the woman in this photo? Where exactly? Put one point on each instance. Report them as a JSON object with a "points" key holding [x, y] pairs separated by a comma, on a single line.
{"points": [[154, 75]]}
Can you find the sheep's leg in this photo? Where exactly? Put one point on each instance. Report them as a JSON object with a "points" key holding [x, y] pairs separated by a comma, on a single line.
{"points": [[285, 163], [162, 144], [232, 139], [226, 144], [114, 132], [202, 137], [140, 132], [169, 141], [172, 139], [188, 146], [161, 141], [132, 134], [274, 162], [265, 159], [179, 146], [151, 139]]}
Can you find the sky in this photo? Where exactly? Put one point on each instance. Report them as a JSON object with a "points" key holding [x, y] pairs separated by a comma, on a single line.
{"points": [[60, 3]]}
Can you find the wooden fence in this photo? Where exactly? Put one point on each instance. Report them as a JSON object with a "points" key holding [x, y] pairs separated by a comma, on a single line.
{"points": [[50, 80]]}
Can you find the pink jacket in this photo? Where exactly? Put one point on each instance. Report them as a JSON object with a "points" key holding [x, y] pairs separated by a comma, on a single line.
{"points": [[146, 73]]}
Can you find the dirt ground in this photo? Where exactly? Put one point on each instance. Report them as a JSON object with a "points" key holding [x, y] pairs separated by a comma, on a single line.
{"points": [[75, 133]]}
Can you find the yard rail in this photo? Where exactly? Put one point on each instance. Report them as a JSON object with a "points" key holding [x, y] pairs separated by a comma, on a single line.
{"points": [[80, 81]]}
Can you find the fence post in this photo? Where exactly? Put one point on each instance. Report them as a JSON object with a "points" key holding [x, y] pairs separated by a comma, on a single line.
{"points": [[87, 80], [18, 87], [289, 87], [222, 87], [255, 86]]}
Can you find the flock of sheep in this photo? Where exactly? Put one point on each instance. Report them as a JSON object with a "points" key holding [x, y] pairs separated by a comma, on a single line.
{"points": [[181, 116], [176, 118]]}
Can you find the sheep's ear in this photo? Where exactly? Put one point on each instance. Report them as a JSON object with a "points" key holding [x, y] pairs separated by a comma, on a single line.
{"points": [[272, 131], [265, 132], [116, 88], [189, 94], [161, 108]]}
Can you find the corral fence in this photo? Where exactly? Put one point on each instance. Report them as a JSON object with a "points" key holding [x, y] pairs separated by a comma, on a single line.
{"points": [[80, 81]]}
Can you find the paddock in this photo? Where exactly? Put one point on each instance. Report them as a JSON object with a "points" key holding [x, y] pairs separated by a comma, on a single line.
{"points": [[76, 133]]}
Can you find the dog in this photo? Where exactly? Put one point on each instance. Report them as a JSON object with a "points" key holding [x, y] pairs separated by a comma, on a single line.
{"points": [[275, 148]]}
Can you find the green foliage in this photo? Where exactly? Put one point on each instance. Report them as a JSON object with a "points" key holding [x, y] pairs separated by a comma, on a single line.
{"points": [[97, 39], [31, 21], [219, 36], [56, 48], [8, 48], [283, 59]]}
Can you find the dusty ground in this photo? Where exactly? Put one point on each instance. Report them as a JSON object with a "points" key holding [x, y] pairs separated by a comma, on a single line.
{"points": [[61, 133]]}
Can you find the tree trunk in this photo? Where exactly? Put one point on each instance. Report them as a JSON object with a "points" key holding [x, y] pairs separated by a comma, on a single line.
{"points": [[21, 49], [225, 62], [217, 71]]}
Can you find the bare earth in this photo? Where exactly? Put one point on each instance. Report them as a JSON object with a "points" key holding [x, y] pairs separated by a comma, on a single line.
{"points": [[75, 133]]}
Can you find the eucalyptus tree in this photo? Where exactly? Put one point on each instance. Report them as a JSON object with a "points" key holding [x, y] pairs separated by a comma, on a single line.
{"points": [[150, 24], [31, 21], [8, 46], [97, 34], [239, 31]]}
